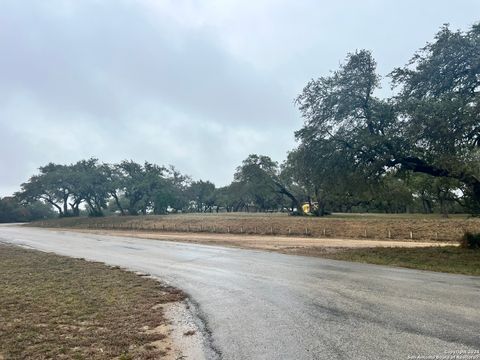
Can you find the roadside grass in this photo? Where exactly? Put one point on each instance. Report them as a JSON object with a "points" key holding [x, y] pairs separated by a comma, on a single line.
{"points": [[449, 259], [58, 307]]}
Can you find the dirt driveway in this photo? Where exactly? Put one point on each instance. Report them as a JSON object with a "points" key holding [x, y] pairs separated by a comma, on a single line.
{"points": [[284, 244]]}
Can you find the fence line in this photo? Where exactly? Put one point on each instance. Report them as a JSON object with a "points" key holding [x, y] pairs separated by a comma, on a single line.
{"points": [[350, 232]]}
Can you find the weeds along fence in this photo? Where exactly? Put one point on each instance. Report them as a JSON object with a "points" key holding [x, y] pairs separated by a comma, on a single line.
{"points": [[411, 229]]}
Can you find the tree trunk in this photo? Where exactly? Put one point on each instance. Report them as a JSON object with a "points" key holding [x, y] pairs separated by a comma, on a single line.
{"points": [[476, 197], [59, 209], [320, 203], [65, 205], [283, 190], [117, 201], [76, 207], [427, 206]]}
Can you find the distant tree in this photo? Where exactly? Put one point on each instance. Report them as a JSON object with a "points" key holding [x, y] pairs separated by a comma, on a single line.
{"points": [[53, 185], [174, 195], [115, 186], [256, 176], [321, 174], [91, 186], [140, 184], [202, 193], [62, 185], [165, 198], [259, 176], [9, 210], [232, 197], [13, 210]]}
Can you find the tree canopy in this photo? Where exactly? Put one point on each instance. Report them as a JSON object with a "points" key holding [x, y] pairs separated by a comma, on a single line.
{"points": [[431, 126]]}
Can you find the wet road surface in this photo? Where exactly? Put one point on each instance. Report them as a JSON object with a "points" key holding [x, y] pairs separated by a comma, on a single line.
{"points": [[261, 305]]}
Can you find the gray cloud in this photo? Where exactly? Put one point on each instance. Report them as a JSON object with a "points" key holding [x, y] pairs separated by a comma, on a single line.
{"points": [[181, 82]]}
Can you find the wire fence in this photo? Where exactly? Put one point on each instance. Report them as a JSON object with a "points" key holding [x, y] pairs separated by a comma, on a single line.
{"points": [[353, 231]]}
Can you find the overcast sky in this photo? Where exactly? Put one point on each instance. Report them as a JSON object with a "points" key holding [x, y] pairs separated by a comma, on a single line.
{"points": [[197, 84]]}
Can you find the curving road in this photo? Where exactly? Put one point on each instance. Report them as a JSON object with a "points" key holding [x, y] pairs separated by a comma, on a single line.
{"points": [[261, 305]]}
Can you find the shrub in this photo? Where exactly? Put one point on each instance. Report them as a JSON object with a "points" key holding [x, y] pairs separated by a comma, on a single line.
{"points": [[470, 240]]}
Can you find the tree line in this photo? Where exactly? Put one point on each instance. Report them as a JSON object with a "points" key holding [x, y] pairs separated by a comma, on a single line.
{"points": [[418, 150], [132, 188]]}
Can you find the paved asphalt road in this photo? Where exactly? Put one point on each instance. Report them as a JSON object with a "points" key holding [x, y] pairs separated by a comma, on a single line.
{"points": [[261, 305]]}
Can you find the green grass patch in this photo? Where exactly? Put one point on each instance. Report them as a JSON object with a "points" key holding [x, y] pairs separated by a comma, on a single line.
{"points": [[449, 259], [58, 307]]}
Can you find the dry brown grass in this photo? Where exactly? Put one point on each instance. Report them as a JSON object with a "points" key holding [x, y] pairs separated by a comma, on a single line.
{"points": [[347, 226], [57, 307]]}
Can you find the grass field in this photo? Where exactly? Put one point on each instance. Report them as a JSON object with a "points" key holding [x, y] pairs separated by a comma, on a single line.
{"points": [[63, 308], [348, 226], [444, 259]]}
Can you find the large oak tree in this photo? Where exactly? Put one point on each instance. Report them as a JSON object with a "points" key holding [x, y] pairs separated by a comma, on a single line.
{"points": [[431, 126]]}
